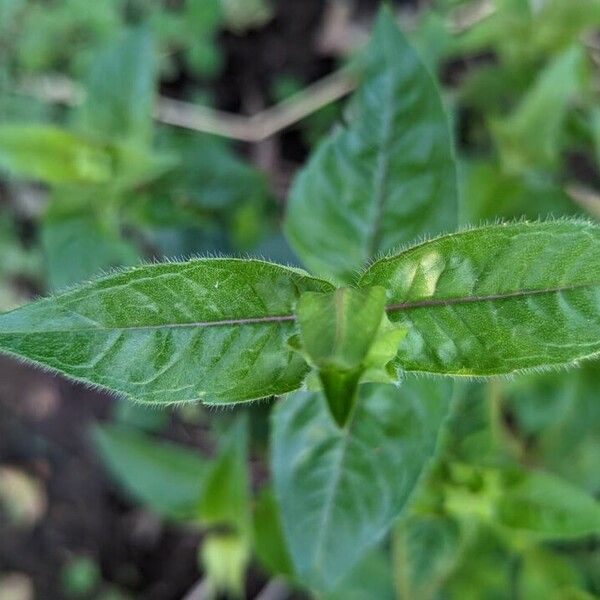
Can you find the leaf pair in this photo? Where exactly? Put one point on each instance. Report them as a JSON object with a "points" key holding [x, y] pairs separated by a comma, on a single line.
{"points": [[484, 302]]}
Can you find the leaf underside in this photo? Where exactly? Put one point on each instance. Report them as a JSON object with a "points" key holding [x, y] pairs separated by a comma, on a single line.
{"points": [[496, 300], [208, 329]]}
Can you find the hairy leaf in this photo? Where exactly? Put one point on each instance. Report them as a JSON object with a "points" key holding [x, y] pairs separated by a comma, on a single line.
{"points": [[386, 178], [340, 489], [497, 299], [209, 329]]}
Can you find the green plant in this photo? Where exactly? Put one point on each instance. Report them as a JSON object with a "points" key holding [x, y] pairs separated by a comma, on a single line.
{"points": [[352, 441]]}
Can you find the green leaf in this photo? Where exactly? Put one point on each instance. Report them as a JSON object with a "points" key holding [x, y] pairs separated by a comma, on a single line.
{"points": [[497, 299], [546, 574], [210, 176], [544, 506], [530, 136], [226, 499], [78, 247], [370, 578], [530, 505], [559, 415], [386, 178], [167, 478], [208, 329], [53, 155], [490, 193], [339, 490], [120, 90], [425, 551], [225, 509], [269, 541]]}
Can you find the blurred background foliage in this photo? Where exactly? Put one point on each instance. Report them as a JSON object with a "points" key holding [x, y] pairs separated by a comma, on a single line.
{"points": [[97, 182]]}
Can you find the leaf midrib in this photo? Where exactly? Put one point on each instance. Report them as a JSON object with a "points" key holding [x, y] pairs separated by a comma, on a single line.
{"points": [[433, 302], [289, 318]]}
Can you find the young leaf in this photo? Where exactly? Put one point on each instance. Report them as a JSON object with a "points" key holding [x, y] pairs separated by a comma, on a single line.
{"points": [[497, 299], [345, 334], [339, 490], [386, 178], [209, 329], [53, 155], [167, 478]]}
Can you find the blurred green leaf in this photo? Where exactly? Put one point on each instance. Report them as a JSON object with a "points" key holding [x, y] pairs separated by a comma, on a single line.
{"points": [[64, 34], [531, 134], [167, 478], [226, 498], [370, 578], [485, 571], [225, 509], [210, 176], [558, 417], [490, 193], [201, 19], [269, 540], [79, 577], [80, 246], [120, 90], [53, 155], [426, 550], [544, 506], [386, 178], [545, 574], [241, 15]]}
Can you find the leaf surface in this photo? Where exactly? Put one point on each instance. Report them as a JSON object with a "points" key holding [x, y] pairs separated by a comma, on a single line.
{"points": [[386, 178], [340, 489], [209, 329], [497, 299]]}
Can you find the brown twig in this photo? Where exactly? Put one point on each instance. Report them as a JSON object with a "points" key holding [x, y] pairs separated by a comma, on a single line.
{"points": [[255, 128]]}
